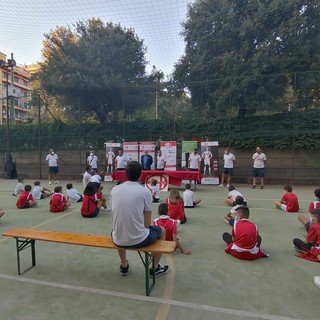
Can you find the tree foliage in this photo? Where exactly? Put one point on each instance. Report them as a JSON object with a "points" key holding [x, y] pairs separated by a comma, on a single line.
{"points": [[247, 54], [96, 67]]}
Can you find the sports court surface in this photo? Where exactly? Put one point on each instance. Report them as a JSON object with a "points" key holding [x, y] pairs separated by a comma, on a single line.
{"points": [[74, 282]]}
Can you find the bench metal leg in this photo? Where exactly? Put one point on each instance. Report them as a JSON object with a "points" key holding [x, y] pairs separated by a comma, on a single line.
{"points": [[24, 244], [148, 261]]}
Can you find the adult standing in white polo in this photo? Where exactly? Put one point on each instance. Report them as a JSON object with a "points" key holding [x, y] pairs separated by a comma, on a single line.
{"points": [[259, 159], [52, 160], [228, 159], [92, 161]]}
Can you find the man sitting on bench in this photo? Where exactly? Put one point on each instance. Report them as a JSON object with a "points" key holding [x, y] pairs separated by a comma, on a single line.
{"points": [[131, 206]]}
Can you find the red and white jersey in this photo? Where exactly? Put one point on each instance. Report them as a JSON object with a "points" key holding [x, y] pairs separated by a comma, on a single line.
{"points": [[313, 234], [314, 205], [24, 198], [169, 224], [245, 234], [110, 156], [57, 202]]}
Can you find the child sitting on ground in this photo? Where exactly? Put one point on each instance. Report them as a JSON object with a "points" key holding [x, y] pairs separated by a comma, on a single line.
{"points": [[91, 204], [176, 206], [188, 200], [245, 241], [315, 204], [39, 192], [312, 226], [1, 213], [170, 225], [155, 191], [231, 197], [58, 202], [19, 188], [73, 194], [26, 199], [289, 201], [229, 218]]}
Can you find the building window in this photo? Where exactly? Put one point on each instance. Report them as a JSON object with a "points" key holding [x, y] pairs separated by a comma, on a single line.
{"points": [[16, 102]]}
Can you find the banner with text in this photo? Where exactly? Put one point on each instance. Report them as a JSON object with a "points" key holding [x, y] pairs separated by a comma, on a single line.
{"points": [[209, 167], [169, 152]]}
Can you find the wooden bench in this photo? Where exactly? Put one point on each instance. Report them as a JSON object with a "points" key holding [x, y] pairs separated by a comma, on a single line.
{"points": [[26, 238]]}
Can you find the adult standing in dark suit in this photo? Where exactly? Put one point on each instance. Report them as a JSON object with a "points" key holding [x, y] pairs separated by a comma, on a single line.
{"points": [[146, 161]]}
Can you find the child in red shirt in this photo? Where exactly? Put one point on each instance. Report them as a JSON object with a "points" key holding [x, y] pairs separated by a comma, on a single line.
{"points": [[289, 201], [312, 237], [92, 201], [245, 241], [176, 206], [26, 199], [170, 225], [58, 202]]}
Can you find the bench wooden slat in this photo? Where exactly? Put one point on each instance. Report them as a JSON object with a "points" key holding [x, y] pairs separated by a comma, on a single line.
{"points": [[99, 241]]}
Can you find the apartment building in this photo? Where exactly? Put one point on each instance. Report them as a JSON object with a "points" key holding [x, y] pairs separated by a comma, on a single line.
{"points": [[14, 91]]}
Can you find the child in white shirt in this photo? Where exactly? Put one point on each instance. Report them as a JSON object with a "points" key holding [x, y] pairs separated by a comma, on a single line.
{"points": [[155, 191], [73, 194], [39, 192], [188, 200], [232, 195], [230, 217], [19, 188]]}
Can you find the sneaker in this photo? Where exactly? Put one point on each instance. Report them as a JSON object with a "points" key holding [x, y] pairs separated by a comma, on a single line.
{"points": [[299, 249], [317, 281], [261, 187], [57, 182], [124, 270], [228, 185], [226, 221], [253, 186], [160, 270], [220, 186], [49, 182]]}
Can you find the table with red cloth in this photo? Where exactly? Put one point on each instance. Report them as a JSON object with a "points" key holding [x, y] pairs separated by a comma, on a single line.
{"points": [[175, 177]]}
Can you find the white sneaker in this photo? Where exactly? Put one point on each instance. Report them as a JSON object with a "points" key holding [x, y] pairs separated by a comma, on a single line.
{"points": [[228, 185], [178, 222], [57, 182], [317, 281], [226, 221], [49, 182], [220, 186]]}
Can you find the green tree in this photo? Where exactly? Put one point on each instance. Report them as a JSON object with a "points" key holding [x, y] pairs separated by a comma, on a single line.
{"points": [[97, 68], [244, 54]]}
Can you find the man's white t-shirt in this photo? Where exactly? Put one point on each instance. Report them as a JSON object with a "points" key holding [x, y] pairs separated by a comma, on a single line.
{"points": [[259, 159], [73, 195], [121, 162], [52, 160], [129, 201], [37, 192], [160, 162], [188, 198], [228, 160], [93, 161], [194, 160]]}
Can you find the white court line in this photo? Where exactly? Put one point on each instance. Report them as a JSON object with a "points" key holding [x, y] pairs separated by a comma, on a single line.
{"points": [[147, 299], [251, 208]]}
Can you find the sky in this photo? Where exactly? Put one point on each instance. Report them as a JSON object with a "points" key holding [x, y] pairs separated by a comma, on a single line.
{"points": [[23, 24]]}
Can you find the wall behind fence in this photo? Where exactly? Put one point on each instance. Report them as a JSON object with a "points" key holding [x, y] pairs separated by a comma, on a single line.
{"points": [[298, 167]]}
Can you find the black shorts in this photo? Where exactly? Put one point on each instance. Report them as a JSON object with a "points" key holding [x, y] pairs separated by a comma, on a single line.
{"points": [[228, 171], [53, 170], [258, 172]]}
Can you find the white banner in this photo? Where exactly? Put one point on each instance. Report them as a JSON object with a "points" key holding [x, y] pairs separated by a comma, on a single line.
{"points": [[169, 151]]}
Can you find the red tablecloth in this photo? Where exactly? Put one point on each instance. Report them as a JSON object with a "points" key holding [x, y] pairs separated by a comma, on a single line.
{"points": [[175, 177]]}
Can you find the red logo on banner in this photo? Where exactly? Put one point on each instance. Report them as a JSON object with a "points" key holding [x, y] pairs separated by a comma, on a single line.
{"points": [[163, 181]]}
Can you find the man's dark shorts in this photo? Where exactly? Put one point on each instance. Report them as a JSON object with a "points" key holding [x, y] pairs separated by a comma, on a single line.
{"points": [[258, 172], [228, 171], [155, 233], [53, 170]]}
